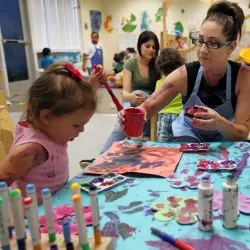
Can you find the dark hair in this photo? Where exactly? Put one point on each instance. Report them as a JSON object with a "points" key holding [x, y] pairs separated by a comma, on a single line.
{"points": [[169, 60], [230, 16], [144, 37], [57, 91], [117, 58], [46, 51], [131, 50], [94, 33], [122, 55]]}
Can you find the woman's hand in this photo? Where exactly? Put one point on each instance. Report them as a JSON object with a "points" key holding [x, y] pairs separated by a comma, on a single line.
{"points": [[122, 118], [209, 121], [137, 99]]}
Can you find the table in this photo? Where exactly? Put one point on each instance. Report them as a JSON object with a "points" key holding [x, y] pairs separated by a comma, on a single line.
{"points": [[131, 218]]}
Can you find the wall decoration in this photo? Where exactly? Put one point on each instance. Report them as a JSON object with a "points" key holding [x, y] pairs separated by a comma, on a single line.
{"points": [[106, 24], [130, 26], [123, 21], [95, 20], [178, 26], [145, 21], [182, 11], [158, 15]]}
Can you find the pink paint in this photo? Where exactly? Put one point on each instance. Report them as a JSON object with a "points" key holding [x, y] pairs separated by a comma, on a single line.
{"points": [[191, 179], [224, 152], [169, 214], [182, 219], [160, 206], [193, 185], [185, 171]]}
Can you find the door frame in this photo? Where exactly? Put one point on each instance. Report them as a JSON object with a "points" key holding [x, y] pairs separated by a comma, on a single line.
{"points": [[28, 50]]}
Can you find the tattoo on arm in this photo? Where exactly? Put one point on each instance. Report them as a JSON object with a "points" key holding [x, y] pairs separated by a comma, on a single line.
{"points": [[182, 69]]}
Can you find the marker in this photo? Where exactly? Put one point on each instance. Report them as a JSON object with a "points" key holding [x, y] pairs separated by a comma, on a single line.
{"points": [[66, 232], [4, 192], [17, 212], [80, 220], [53, 247], [179, 244], [4, 230], [75, 188], [46, 196], [30, 212], [95, 214], [70, 246], [31, 192], [21, 202]]}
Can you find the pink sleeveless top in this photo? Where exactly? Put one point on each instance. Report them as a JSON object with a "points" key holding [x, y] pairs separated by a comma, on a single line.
{"points": [[53, 173]]}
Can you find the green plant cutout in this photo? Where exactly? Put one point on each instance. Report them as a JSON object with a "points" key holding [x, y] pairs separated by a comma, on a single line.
{"points": [[179, 26], [130, 26]]}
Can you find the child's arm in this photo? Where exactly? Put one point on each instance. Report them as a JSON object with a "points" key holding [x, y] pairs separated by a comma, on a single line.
{"points": [[21, 160]]}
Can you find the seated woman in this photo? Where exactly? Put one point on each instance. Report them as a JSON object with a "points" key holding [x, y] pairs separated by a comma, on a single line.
{"points": [[139, 79], [220, 86]]}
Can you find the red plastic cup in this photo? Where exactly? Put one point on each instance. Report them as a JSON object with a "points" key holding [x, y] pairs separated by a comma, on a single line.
{"points": [[134, 121]]}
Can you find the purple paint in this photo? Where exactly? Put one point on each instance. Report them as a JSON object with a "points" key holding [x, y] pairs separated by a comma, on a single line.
{"points": [[130, 180], [243, 227], [216, 242], [224, 152], [131, 205], [125, 230], [112, 196], [149, 212], [135, 210], [242, 164]]}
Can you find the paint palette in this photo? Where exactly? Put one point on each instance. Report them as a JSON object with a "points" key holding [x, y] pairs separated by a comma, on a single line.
{"points": [[195, 147], [193, 110], [104, 182], [216, 165]]}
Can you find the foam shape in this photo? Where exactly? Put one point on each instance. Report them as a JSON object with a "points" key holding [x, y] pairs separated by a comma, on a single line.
{"points": [[173, 177], [178, 184], [195, 147], [165, 215], [216, 165], [158, 206], [186, 219]]}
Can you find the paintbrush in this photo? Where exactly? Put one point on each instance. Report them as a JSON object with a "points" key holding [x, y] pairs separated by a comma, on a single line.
{"points": [[115, 100]]}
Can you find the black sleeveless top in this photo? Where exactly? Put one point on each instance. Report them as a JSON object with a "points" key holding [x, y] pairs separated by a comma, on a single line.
{"points": [[211, 96]]}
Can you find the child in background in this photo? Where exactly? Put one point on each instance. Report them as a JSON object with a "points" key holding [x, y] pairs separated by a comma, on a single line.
{"points": [[47, 59], [117, 64], [130, 53], [59, 104], [169, 60]]}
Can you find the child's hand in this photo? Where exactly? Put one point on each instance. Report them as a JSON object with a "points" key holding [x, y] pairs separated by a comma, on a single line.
{"points": [[137, 99], [97, 76]]}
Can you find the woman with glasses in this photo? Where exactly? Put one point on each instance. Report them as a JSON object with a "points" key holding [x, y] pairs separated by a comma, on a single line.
{"points": [[220, 86]]}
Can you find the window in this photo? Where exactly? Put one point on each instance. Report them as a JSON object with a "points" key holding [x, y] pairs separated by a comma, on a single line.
{"points": [[55, 24]]}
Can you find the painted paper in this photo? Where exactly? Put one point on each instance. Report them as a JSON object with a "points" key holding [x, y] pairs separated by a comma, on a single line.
{"points": [[95, 20], [126, 158], [145, 21]]}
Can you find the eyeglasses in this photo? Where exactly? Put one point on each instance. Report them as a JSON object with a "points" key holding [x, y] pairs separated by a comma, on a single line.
{"points": [[209, 44]]}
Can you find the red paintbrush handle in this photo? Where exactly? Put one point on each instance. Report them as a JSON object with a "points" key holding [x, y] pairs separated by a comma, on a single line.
{"points": [[115, 100]]}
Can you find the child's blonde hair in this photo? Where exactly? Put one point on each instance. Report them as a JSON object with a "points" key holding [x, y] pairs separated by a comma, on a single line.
{"points": [[60, 91]]}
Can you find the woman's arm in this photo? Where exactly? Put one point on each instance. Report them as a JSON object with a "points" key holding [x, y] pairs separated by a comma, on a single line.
{"points": [[175, 83], [239, 130], [134, 98]]}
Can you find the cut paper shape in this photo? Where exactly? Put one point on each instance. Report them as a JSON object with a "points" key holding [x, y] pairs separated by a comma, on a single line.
{"points": [[158, 15], [178, 26], [186, 178], [216, 165], [95, 20], [106, 24], [184, 210], [158, 206], [65, 213], [186, 219], [130, 26], [178, 184], [165, 215], [125, 157]]}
